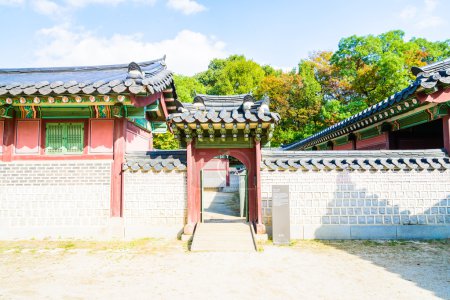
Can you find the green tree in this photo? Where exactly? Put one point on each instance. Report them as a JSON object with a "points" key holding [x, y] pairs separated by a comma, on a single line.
{"points": [[165, 141], [187, 87], [376, 67], [233, 75], [297, 98]]}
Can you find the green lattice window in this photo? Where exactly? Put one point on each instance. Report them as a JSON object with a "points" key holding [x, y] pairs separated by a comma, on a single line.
{"points": [[64, 138]]}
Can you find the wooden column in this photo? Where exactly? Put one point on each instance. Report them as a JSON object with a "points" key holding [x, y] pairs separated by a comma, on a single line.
{"points": [[228, 173], [9, 131], [190, 182], [446, 130], [117, 173], [260, 227]]}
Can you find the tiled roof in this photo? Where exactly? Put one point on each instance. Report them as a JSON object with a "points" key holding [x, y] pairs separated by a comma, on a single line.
{"points": [[428, 78], [157, 160], [143, 78], [224, 109], [355, 160]]}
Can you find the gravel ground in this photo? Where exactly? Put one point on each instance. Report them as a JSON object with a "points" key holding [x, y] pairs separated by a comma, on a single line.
{"points": [[161, 269]]}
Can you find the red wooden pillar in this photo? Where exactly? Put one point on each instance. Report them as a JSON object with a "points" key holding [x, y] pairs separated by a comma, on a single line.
{"points": [[227, 167], [117, 173], [446, 127], [260, 228], [9, 130], [191, 193]]}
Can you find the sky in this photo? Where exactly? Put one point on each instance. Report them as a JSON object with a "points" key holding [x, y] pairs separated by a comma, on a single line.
{"points": [[38, 33]]}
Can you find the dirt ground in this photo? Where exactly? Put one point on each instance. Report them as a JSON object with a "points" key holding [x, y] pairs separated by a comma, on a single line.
{"points": [[163, 269]]}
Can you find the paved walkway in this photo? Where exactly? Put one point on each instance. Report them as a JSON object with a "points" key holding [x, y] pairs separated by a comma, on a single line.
{"points": [[221, 207], [222, 228], [223, 237]]}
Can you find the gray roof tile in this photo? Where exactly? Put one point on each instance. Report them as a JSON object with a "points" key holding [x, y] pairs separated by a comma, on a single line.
{"points": [[157, 160], [153, 76], [226, 109], [355, 160]]}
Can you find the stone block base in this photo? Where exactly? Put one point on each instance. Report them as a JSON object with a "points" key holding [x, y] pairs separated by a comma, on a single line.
{"points": [[186, 237], [370, 232], [261, 237]]}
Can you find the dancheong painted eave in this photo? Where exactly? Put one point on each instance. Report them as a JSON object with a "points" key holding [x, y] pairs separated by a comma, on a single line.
{"points": [[224, 117], [430, 79], [84, 85]]}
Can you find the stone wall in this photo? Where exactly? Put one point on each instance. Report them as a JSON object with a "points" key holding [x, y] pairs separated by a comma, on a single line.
{"points": [[55, 199], [363, 204], [155, 203]]}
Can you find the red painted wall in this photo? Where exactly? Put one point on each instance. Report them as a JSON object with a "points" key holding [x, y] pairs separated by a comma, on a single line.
{"points": [[2, 125], [376, 143], [25, 140], [27, 136], [196, 160], [137, 139], [216, 164], [348, 146], [101, 136]]}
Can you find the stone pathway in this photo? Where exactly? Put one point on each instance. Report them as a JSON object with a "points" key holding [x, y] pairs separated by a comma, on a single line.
{"points": [[221, 207], [222, 228], [223, 237]]}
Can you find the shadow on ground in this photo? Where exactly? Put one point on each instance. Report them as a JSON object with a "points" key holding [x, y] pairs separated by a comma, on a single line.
{"points": [[411, 260]]}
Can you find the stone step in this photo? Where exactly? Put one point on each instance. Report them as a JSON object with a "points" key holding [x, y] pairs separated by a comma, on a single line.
{"points": [[223, 237]]}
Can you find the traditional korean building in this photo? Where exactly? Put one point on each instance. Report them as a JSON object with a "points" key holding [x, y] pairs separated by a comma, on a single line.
{"points": [[215, 126], [77, 161], [64, 135], [415, 118]]}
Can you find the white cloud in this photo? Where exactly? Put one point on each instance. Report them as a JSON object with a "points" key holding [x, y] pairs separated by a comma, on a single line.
{"points": [[424, 16], [11, 2], [408, 13], [187, 7], [430, 5], [83, 3], [57, 8], [47, 7], [187, 53], [430, 22]]}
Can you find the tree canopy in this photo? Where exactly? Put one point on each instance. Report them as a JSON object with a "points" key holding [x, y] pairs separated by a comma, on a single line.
{"points": [[325, 88]]}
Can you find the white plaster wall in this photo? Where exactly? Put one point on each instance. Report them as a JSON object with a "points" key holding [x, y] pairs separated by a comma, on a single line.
{"points": [[55, 199], [155, 203], [363, 204]]}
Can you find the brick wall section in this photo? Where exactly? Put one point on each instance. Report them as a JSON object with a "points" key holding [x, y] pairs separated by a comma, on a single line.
{"points": [[361, 198], [54, 198], [155, 203]]}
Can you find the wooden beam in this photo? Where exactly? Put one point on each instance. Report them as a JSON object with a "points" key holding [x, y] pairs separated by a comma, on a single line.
{"points": [[191, 212], [260, 227], [9, 130], [140, 101], [437, 97], [120, 125]]}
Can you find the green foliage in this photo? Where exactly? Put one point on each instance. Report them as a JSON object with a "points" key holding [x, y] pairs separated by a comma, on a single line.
{"points": [[376, 67], [165, 141], [187, 87], [234, 75], [325, 89]]}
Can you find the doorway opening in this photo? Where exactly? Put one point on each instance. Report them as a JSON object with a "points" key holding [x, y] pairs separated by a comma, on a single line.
{"points": [[224, 191]]}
